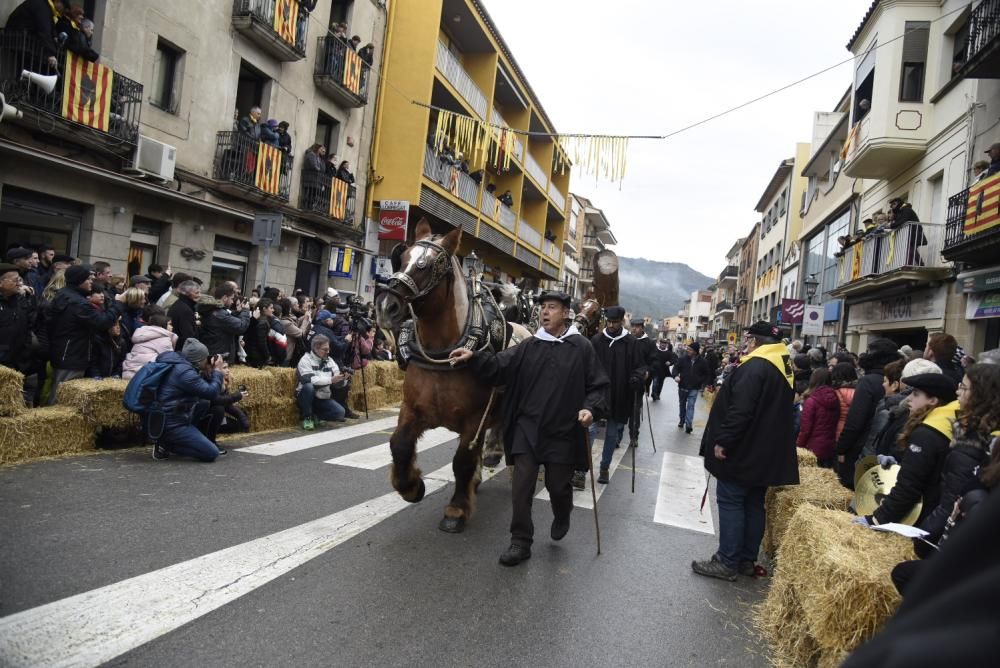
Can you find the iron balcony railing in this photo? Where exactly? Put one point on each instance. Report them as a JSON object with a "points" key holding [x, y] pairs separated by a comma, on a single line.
{"points": [[984, 26], [532, 167], [529, 235], [498, 212], [328, 196], [283, 20], [339, 64], [81, 95], [731, 271], [910, 246], [443, 170], [557, 196], [593, 242], [586, 274], [456, 75], [955, 227], [242, 160], [552, 250], [498, 119], [723, 306]]}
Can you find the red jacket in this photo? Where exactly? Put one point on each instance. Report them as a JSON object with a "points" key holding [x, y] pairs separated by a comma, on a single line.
{"points": [[818, 429]]}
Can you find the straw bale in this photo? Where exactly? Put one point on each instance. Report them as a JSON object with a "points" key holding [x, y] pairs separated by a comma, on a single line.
{"points": [[779, 620], [384, 372], [817, 486], [260, 384], [100, 401], [376, 399], [285, 378], [11, 396], [393, 392], [44, 432], [840, 572], [272, 413], [806, 457]]}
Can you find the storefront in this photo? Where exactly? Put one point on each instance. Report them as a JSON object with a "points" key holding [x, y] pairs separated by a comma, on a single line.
{"points": [[982, 306], [906, 318]]}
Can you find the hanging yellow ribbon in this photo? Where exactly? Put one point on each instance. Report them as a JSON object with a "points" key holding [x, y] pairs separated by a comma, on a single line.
{"points": [[892, 248]]}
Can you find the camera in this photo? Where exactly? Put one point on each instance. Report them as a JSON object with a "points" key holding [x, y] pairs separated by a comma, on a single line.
{"points": [[357, 315]]}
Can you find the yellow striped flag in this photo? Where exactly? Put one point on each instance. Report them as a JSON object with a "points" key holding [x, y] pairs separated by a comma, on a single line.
{"points": [[983, 208], [268, 174], [352, 72], [338, 198], [86, 92], [286, 18], [858, 257], [341, 260]]}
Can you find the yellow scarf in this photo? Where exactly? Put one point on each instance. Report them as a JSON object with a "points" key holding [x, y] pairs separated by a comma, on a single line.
{"points": [[55, 12], [776, 354], [941, 418]]}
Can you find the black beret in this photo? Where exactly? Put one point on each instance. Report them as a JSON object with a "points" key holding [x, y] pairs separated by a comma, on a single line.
{"points": [[764, 328], [555, 295], [637, 321], [7, 268], [18, 253], [614, 312], [935, 384], [64, 258]]}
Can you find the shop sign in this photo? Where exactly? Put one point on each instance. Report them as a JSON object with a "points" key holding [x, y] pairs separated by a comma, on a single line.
{"points": [[917, 305], [392, 217], [981, 282], [985, 305]]}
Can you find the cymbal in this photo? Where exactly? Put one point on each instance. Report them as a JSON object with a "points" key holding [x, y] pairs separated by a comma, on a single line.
{"points": [[863, 465], [873, 486]]}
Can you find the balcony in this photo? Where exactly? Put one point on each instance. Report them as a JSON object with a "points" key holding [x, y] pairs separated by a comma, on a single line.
{"points": [[571, 265], [529, 235], [277, 26], [606, 237], [340, 72], [106, 117], [532, 167], [586, 275], [551, 250], [966, 241], [885, 141], [592, 244], [730, 273], [518, 144], [442, 171], [982, 59], [569, 241], [498, 212], [911, 252], [557, 197], [245, 166], [327, 197], [723, 308], [455, 74]]}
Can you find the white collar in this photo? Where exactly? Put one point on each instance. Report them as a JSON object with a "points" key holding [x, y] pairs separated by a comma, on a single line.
{"points": [[621, 336], [644, 336], [545, 336]]}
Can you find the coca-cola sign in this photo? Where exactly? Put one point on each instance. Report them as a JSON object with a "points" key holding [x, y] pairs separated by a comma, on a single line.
{"points": [[392, 219]]}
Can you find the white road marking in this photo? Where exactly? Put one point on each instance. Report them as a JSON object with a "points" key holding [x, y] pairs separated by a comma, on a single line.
{"points": [[584, 499], [96, 626], [682, 484], [446, 474], [378, 456], [317, 439]]}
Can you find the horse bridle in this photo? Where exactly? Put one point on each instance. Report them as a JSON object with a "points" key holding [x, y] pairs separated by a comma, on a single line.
{"points": [[440, 268]]}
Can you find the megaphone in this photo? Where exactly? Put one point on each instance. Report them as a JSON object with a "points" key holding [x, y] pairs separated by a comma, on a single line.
{"points": [[46, 83], [7, 112]]}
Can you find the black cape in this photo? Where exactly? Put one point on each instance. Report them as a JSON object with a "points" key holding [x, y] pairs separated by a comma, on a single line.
{"points": [[547, 384], [620, 359]]}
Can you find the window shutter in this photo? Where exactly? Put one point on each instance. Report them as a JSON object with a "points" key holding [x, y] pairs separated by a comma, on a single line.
{"points": [[915, 41]]}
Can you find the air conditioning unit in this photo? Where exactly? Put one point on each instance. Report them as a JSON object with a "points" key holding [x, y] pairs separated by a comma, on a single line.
{"points": [[155, 158]]}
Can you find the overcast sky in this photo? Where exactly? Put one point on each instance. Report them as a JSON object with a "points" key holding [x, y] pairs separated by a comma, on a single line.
{"points": [[651, 67]]}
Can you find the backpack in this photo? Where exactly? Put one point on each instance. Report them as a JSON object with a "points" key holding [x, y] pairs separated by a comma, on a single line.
{"points": [[140, 393]]}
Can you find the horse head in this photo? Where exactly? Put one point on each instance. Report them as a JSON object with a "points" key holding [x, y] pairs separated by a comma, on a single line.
{"points": [[589, 316], [419, 271]]}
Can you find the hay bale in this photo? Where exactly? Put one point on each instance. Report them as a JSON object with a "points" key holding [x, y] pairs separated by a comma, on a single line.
{"points": [[100, 401], [285, 379], [384, 372], [393, 392], [11, 396], [259, 383], [806, 457], [840, 573], [818, 487], [272, 413], [779, 621], [376, 399], [44, 432]]}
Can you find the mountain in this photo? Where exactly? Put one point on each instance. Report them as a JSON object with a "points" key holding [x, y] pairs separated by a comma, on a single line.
{"points": [[657, 289]]}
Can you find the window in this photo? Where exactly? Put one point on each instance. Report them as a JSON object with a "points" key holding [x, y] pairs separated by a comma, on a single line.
{"points": [[864, 84], [252, 89], [911, 78], [339, 11], [166, 79], [960, 46], [327, 133]]}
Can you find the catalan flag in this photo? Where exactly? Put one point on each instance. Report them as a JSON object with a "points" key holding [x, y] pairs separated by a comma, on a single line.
{"points": [[286, 19], [338, 198], [341, 261], [983, 209], [86, 92], [352, 71], [268, 174]]}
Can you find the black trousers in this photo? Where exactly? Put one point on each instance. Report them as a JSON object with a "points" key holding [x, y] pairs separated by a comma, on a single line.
{"points": [[559, 483]]}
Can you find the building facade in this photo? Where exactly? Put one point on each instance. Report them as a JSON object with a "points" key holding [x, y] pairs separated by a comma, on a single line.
{"points": [[747, 278], [726, 295], [596, 236], [162, 173]]}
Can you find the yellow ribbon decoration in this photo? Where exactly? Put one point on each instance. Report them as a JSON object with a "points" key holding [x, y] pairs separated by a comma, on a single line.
{"points": [[892, 248]]}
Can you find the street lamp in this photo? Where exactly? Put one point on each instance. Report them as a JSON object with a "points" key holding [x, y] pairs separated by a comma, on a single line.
{"points": [[811, 286], [472, 265]]}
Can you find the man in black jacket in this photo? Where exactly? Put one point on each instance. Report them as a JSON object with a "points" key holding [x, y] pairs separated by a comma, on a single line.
{"points": [[181, 313], [867, 395], [38, 17], [748, 446], [72, 325], [623, 362], [16, 316], [637, 327], [692, 374], [160, 282], [221, 324], [663, 359]]}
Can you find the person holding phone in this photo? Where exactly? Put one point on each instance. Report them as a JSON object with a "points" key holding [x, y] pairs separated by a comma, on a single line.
{"points": [[318, 376]]}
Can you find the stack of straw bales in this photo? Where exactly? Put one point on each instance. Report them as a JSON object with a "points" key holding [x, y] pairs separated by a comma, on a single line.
{"points": [[818, 487], [100, 401], [832, 590], [11, 396], [285, 379], [806, 457]]}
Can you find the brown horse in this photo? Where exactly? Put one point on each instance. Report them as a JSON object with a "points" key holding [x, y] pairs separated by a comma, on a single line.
{"points": [[589, 319], [429, 287]]}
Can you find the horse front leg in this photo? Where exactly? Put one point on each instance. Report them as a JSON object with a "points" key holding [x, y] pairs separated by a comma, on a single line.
{"points": [[403, 473], [467, 468], [493, 450]]}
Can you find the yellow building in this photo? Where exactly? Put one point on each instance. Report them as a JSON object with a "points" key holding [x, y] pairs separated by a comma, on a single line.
{"points": [[449, 53]]}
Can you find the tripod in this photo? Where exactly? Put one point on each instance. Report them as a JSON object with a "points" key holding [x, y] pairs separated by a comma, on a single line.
{"points": [[355, 352]]}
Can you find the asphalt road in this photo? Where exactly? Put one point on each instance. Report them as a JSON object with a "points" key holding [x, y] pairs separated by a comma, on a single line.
{"points": [[265, 559]]}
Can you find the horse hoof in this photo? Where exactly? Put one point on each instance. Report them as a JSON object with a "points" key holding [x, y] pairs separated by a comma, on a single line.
{"points": [[416, 494], [452, 524], [491, 461]]}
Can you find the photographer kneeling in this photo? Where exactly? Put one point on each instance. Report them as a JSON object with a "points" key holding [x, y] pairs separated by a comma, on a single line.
{"points": [[318, 375], [185, 397]]}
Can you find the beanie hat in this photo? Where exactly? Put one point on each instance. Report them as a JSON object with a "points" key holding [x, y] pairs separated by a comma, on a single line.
{"points": [[194, 351], [77, 274], [695, 347], [324, 315], [919, 367]]}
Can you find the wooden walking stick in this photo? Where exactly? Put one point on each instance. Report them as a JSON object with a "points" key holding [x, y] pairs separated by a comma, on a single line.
{"points": [[649, 418], [593, 488]]}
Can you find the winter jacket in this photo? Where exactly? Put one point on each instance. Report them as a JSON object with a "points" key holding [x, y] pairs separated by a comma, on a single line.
{"points": [[338, 346], [364, 353], [35, 16], [183, 387], [885, 413], [692, 373], [867, 394], [622, 360], [968, 452], [662, 361], [159, 287], [148, 342], [920, 472], [221, 329], [72, 324], [845, 396], [295, 339], [277, 342], [182, 317], [16, 315], [255, 342], [952, 370], [317, 372], [750, 419], [107, 353], [818, 427]]}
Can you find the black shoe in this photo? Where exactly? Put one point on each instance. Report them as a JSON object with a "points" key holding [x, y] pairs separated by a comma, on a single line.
{"points": [[689, 430], [515, 554], [714, 569], [747, 568], [160, 453], [604, 478], [680, 425], [559, 528], [352, 415], [579, 480], [656, 398]]}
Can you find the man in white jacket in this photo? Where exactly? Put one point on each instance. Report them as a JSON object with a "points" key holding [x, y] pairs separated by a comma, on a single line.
{"points": [[317, 374]]}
